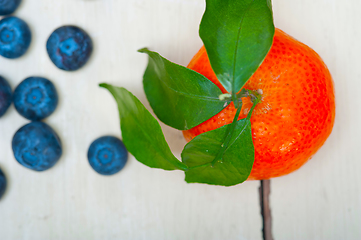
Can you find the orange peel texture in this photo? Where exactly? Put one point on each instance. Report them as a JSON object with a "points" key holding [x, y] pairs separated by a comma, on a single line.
{"points": [[297, 111]]}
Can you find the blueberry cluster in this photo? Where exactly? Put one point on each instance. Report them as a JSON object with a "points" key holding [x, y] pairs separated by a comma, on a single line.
{"points": [[36, 145], [69, 47]]}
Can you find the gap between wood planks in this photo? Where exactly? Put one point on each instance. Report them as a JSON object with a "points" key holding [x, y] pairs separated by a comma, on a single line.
{"points": [[264, 193]]}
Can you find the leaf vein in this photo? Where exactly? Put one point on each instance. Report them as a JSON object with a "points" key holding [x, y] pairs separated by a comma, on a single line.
{"points": [[237, 43], [208, 98]]}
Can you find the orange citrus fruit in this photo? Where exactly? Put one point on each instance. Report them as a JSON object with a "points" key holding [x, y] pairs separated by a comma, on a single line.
{"points": [[297, 111]]}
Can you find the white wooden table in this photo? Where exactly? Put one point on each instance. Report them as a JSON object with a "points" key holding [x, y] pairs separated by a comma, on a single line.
{"points": [[70, 201]]}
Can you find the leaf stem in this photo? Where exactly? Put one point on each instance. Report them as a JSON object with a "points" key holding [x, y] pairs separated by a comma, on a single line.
{"points": [[235, 100], [251, 111], [255, 98], [228, 137]]}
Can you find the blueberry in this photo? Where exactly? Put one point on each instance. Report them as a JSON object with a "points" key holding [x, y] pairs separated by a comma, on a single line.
{"points": [[5, 95], [8, 6], [36, 146], [15, 37], [35, 98], [107, 155], [69, 47], [2, 182]]}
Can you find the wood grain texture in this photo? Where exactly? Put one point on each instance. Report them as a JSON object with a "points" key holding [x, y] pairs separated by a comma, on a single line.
{"points": [[322, 199], [71, 201]]}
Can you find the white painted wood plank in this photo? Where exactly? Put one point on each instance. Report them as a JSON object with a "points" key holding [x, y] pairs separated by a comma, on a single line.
{"points": [[71, 201], [322, 199]]}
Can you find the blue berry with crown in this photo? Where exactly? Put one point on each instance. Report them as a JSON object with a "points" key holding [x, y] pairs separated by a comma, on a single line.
{"points": [[69, 47], [107, 155], [15, 37], [35, 98], [37, 146]]}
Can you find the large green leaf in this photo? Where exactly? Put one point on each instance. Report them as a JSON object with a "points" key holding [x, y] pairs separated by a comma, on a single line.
{"points": [[236, 162], [142, 134], [180, 97], [237, 36]]}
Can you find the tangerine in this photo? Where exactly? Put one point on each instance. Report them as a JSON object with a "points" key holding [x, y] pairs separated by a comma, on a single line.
{"points": [[297, 111]]}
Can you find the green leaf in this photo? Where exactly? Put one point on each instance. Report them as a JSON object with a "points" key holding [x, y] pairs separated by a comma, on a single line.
{"points": [[141, 132], [232, 168], [237, 36], [180, 97]]}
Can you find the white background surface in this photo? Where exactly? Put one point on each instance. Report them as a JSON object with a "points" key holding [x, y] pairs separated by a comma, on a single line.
{"points": [[71, 201], [323, 199]]}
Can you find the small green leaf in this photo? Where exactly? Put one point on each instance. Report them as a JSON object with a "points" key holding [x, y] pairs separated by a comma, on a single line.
{"points": [[180, 97], [232, 168], [142, 134], [237, 36]]}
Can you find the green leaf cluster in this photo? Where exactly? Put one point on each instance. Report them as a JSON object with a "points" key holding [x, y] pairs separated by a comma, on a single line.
{"points": [[237, 36]]}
